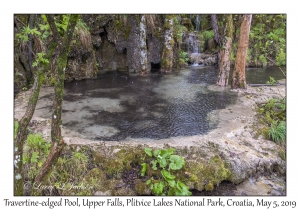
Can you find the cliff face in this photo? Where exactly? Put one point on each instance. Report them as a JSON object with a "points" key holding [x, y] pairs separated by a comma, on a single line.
{"points": [[124, 42]]}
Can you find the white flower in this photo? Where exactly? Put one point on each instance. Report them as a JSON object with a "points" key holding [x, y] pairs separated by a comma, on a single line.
{"points": [[54, 116]]}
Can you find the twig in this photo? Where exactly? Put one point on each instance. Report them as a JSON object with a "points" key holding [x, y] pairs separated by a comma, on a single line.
{"points": [[276, 65]]}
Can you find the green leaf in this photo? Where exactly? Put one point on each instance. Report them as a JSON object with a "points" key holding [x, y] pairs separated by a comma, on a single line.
{"points": [[144, 168], [182, 189], [154, 162], [167, 174], [177, 162], [171, 182], [34, 157], [172, 191], [158, 188], [148, 181], [162, 162], [156, 152], [166, 153], [148, 151]]}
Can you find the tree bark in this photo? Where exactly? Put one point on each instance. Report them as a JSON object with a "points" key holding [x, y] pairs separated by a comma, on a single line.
{"points": [[63, 51], [224, 65], [167, 52], [22, 135], [217, 37], [143, 47], [30, 41], [239, 74]]}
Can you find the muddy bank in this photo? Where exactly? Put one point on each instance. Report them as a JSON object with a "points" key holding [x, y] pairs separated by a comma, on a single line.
{"points": [[252, 164]]}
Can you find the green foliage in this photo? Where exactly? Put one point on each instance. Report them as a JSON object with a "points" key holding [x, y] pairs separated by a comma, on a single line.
{"points": [[281, 58], [179, 30], [263, 60], [40, 59], [272, 81], [62, 24], [16, 127], [35, 153], [165, 161], [272, 117], [207, 35], [204, 37], [184, 56], [36, 142], [268, 39], [278, 132], [26, 31]]}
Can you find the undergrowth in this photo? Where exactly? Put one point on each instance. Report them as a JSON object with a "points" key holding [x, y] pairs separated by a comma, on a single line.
{"points": [[67, 176], [272, 116]]}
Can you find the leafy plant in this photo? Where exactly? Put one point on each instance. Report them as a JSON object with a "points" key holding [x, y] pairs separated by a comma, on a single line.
{"points": [[268, 39], [272, 81], [165, 161], [26, 31], [204, 37], [35, 153], [207, 35], [272, 117], [184, 56], [40, 59], [277, 132]]}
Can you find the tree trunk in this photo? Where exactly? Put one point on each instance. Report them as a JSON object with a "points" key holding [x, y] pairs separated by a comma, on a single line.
{"points": [[30, 41], [239, 74], [22, 135], [167, 52], [217, 37], [224, 65], [63, 51], [143, 47]]}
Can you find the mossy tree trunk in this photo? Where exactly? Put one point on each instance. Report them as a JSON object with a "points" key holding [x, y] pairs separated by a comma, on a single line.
{"points": [[239, 73], [30, 41], [143, 47], [224, 65], [63, 49], [58, 51], [22, 135], [38, 74], [167, 52]]}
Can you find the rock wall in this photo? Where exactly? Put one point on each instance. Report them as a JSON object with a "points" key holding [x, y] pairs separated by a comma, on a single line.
{"points": [[117, 43]]}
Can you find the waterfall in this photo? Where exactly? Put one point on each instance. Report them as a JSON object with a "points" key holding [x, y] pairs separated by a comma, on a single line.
{"points": [[197, 22], [192, 47]]}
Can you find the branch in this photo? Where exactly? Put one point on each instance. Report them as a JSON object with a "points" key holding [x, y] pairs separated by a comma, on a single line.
{"points": [[56, 35], [70, 29]]}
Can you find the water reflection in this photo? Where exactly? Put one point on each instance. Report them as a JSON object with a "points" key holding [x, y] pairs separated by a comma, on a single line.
{"points": [[117, 105]]}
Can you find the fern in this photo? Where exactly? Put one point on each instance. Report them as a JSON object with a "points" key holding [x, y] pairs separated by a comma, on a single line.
{"points": [[278, 132]]}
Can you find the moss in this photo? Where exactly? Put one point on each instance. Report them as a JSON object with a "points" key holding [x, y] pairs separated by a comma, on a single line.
{"points": [[119, 160], [209, 187], [142, 188], [212, 172], [282, 154], [111, 162]]}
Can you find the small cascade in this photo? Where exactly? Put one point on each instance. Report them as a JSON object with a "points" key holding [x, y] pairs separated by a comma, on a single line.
{"points": [[191, 44], [197, 22]]}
